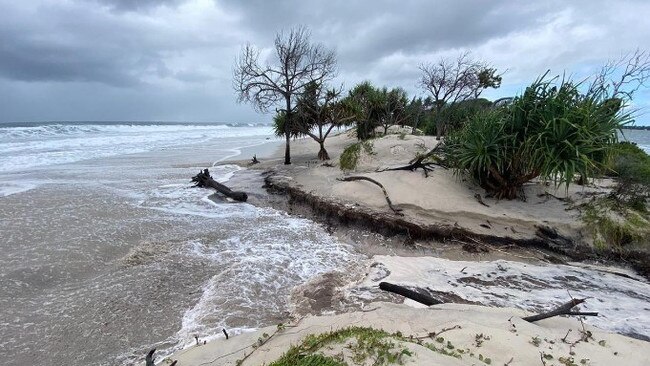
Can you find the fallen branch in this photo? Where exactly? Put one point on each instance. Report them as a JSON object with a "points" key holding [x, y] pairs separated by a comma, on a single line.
{"points": [[564, 309], [408, 293], [203, 179], [357, 178], [418, 163]]}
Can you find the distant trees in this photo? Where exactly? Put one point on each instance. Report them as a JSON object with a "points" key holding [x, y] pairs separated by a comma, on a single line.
{"points": [[418, 110], [453, 80], [297, 63], [377, 107]]}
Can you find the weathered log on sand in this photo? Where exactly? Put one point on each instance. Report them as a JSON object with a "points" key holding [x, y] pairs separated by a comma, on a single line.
{"points": [[408, 293], [203, 179], [564, 309], [357, 178]]}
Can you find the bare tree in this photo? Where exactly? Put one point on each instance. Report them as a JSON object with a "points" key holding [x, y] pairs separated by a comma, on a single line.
{"points": [[454, 80], [621, 78], [297, 63]]}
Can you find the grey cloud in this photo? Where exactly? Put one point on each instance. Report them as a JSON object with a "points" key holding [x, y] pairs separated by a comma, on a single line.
{"points": [[136, 5], [172, 55]]}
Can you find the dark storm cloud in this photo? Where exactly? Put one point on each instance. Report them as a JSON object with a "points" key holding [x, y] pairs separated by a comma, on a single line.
{"points": [[365, 31], [165, 50]]}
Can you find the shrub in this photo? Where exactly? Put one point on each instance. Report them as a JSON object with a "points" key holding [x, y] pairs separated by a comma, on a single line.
{"points": [[350, 156], [551, 131], [631, 166]]}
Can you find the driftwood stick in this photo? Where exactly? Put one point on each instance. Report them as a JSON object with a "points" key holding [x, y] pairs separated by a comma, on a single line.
{"points": [[149, 358], [203, 179], [408, 293], [564, 309], [357, 178]]}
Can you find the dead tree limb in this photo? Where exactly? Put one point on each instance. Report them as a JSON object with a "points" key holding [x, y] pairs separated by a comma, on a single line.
{"points": [[408, 293], [564, 309], [203, 179], [357, 178], [418, 163]]}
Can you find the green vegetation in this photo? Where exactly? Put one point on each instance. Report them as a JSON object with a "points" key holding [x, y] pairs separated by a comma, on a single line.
{"points": [[365, 343], [350, 156], [616, 226], [456, 115], [631, 167], [621, 220], [317, 112], [552, 131]]}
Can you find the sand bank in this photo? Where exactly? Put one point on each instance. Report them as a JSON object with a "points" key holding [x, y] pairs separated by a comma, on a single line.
{"points": [[442, 206], [474, 335]]}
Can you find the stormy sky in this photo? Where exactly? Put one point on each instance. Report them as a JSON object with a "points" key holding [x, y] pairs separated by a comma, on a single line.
{"points": [[171, 60]]}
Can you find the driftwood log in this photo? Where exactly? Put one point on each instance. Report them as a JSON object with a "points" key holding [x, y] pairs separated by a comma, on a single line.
{"points": [[149, 359], [203, 179], [408, 293], [358, 178], [564, 309]]}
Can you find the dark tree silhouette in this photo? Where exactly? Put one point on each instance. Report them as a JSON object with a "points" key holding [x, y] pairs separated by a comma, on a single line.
{"points": [[297, 63], [454, 80]]}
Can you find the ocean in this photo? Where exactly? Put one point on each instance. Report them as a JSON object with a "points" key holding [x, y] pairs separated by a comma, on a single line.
{"points": [[107, 251], [640, 137]]}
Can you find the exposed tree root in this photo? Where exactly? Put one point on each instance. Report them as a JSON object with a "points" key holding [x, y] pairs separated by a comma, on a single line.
{"points": [[418, 163], [357, 178]]}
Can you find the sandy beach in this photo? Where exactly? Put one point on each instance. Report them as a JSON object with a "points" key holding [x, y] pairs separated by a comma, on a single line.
{"points": [[503, 279]]}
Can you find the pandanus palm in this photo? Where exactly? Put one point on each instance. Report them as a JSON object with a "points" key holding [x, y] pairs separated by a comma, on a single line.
{"points": [[552, 131]]}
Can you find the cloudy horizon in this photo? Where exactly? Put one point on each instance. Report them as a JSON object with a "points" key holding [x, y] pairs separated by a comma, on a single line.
{"points": [[171, 60]]}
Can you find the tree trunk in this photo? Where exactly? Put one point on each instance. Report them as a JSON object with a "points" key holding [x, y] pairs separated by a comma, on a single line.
{"points": [[287, 134], [439, 123], [322, 153], [203, 179], [287, 149]]}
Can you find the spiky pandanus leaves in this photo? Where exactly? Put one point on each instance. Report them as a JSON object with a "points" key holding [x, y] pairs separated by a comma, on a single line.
{"points": [[551, 131]]}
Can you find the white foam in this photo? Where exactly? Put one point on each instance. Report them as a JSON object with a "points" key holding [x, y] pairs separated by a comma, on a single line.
{"points": [[10, 188], [258, 269], [22, 148]]}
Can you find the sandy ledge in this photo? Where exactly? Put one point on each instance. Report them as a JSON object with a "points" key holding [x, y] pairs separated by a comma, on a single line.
{"points": [[507, 338], [442, 207]]}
